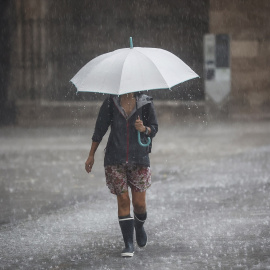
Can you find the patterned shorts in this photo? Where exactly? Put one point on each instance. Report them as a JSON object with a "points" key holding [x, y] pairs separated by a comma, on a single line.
{"points": [[119, 177]]}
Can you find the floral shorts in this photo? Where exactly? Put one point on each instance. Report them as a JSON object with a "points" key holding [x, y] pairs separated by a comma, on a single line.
{"points": [[119, 177]]}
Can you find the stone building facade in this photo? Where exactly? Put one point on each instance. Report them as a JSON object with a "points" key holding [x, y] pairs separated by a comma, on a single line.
{"points": [[43, 44], [50, 40], [248, 24]]}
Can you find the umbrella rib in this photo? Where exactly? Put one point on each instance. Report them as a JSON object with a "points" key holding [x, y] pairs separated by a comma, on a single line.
{"points": [[172, 85], [154, 66], [100, 63], [167, 86], [109, 72]]}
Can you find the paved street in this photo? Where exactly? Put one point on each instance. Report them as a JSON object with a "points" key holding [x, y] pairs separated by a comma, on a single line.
{"points": [[208, 206]]}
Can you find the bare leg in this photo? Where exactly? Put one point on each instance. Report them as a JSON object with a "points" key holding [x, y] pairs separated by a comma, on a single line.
{"points": [[139, 202], [123, 204]]}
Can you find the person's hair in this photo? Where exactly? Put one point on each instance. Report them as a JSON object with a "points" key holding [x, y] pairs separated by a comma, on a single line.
{"points": [[136, 94]]}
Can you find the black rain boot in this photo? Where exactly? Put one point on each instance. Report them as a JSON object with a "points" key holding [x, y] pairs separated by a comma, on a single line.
{"points": [[141, 236], [127, 228]]}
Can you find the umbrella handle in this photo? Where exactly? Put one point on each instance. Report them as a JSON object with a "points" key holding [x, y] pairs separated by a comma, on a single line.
{"points": [[140, 142], [131, 43]]}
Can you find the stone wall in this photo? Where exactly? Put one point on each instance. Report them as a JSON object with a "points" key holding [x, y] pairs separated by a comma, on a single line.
{"points": [[52, 40], [248, 24], [48, 41]]}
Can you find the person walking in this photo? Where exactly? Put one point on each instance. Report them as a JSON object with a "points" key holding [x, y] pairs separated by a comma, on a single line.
{"points": [[126, 163]]}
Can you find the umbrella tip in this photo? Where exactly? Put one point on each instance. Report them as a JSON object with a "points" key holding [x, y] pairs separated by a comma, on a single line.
{"points": [[131, 43]]}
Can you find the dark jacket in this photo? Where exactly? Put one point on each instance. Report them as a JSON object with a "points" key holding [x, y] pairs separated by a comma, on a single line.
{"points": [[122, 146]]}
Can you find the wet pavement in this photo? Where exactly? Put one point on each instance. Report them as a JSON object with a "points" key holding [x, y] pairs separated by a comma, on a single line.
{"points": [[208, 206]]}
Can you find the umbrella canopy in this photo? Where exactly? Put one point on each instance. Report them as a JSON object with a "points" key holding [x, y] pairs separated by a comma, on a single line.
{"points": [[131, 70]]}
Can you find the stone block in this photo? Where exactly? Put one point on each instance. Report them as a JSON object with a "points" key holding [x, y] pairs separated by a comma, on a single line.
{"points": [[264, 49], [250, 80], [32, 9], [248, 64], [248, 49], [259, 97], [242, 21]]}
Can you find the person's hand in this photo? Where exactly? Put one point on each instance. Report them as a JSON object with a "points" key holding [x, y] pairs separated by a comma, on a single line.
{"points": [[139, 125], [89, 164]]}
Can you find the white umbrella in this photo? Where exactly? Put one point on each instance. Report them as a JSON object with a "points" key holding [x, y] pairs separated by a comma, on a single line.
{"points": [[131, 70]]}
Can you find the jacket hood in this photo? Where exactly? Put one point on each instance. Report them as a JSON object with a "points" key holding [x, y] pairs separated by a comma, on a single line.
{"points": [[143, 100]]}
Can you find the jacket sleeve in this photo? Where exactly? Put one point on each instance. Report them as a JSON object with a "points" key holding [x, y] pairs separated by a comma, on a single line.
{"points": [[103, 120], [152, 120]]}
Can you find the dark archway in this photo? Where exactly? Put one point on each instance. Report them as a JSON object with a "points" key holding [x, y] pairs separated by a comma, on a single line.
{"points": [[7, 107], [90, 28]]}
